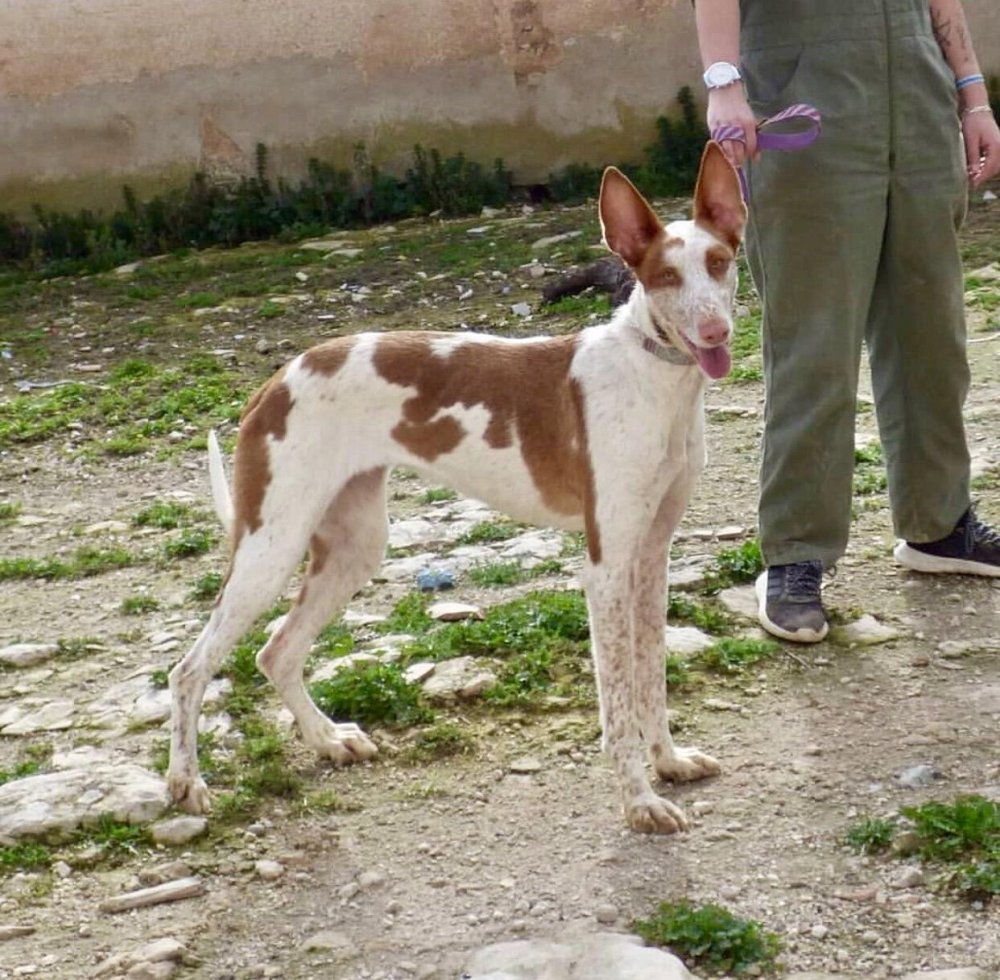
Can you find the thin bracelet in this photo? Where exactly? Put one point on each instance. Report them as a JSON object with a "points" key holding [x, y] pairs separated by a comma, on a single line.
{"points": [[967, 80], [977, 108]]}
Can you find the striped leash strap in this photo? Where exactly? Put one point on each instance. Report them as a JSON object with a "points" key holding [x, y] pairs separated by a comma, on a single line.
{"points": [[799, 137]]}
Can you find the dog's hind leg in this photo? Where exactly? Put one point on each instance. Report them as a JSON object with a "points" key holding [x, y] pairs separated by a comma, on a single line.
{"points": [[671, 762], [346, 549], [252, 584]]}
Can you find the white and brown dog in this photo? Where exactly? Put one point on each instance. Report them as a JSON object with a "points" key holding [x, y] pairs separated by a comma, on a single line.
{"points": [[601, 431]]}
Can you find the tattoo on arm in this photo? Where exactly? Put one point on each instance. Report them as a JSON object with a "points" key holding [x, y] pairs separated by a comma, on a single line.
{"points": [[942, 28], [948, 32]]}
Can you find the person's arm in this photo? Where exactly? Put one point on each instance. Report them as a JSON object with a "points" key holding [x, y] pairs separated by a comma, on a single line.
{"points": [[979, 128], [718, 23]]}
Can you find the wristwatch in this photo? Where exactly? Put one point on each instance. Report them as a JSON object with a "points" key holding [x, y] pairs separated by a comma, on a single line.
{"points": [[721, 74]]}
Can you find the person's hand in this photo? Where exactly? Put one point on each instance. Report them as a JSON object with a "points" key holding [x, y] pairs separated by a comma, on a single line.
{"points": [[982, 146], [729, 107]]}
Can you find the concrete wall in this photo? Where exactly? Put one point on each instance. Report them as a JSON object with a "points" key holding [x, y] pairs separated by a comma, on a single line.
{"points": [[97, 92]]}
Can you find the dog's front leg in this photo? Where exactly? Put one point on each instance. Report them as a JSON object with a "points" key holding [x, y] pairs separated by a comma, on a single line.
{"points": [[671, 762], [610, 597]]}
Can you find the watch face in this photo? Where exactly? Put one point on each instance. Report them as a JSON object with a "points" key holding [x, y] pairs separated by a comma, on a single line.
{"points": [[721, 74]]}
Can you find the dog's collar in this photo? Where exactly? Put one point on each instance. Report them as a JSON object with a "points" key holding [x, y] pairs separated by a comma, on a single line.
{"points": [[667, 352]]}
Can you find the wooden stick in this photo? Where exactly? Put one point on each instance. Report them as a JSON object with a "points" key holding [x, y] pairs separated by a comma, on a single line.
{"points": [[169, 891]]}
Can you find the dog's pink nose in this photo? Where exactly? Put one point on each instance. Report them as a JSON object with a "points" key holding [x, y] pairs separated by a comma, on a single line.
{"points": [[714, 331]]}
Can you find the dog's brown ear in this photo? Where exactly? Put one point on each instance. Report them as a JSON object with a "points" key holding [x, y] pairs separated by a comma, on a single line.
{"points": [[628, 222], [718, 200]]}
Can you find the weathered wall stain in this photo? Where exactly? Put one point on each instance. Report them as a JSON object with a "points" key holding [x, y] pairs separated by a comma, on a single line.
{"points": [[98, 92]]}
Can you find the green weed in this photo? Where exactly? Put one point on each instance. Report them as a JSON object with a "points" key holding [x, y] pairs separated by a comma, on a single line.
{"points": [[965, 837], [207, 586], [869, 470], [730, 655], [164, 514], [189, 543], [137, 605], [442, 740], [710, 938], [25, 856], [497, 574], [734, 566], [436, 495], [29, 767], [681, 609], [116, 840], [872, 835], [371, 693], [9, 511], [84, 563], [489, 532], [551, 621], [409, 615]]}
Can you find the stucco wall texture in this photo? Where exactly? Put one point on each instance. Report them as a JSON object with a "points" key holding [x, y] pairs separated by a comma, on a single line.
{"points": [[96, 93]]}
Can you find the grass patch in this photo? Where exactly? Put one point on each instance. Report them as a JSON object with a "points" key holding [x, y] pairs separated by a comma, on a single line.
{"points": [[30, 767], [734, 566], [709, 937], [437, 495], [545, 620], [83, 563], [711, 619], [371, 693], [409, 615], [443, 740], [207, 586], [137, 605], [873, 835], [490, 532], [9, 511], [25, 856], [138, 404], [964, 837], [869, 470], [164, 514], [731, 655], [191, 541], [505, 573], [961, 840]]}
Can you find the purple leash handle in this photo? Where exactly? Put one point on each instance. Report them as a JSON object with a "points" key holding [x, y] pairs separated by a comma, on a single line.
{"points": [[776, 141]]}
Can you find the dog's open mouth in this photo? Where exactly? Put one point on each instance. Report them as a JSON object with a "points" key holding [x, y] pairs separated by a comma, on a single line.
{"points": [[716, 362]]}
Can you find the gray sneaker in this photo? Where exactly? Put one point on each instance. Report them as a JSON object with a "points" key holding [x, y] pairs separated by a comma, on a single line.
{"points": [[972, 548], [789, 603]]}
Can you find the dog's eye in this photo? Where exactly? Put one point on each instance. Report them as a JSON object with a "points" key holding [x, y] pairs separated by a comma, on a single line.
{"points": [[667, 278], [718, 266]]}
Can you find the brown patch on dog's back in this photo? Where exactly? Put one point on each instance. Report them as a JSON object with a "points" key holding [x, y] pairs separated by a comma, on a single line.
{"points": [[328, 358], [266, 415], [527, 390]]}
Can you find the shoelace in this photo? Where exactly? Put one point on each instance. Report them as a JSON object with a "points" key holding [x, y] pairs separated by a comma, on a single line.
{"points": [[976, 532], [803, 579]]}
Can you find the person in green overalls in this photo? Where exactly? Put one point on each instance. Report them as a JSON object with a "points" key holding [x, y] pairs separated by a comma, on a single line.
{"points": [[855, 239]]}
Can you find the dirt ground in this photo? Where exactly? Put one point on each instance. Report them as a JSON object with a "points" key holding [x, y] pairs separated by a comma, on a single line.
{"points": [[428, 862]]}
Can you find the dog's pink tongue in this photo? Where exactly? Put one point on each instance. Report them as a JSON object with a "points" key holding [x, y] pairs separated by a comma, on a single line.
{"points": [[714, 361]]}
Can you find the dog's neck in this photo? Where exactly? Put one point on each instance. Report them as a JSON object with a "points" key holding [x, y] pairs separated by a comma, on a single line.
{"points": [[651, 336]]}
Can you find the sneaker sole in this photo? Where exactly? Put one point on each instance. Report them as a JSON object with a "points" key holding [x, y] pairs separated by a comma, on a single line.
{"points": [[920, 561], [800, 635]]}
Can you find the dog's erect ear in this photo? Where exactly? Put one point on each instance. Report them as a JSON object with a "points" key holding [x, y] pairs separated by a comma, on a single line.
{"points": [[628, 222], [718, 201]]}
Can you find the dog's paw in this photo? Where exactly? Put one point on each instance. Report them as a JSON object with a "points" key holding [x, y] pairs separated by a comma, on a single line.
{"points": [[651, 814], [345, 744], [190, 793], [685, 765]]}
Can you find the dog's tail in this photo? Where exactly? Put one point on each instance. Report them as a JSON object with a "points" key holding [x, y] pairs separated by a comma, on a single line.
{"points": [[220, 488]]}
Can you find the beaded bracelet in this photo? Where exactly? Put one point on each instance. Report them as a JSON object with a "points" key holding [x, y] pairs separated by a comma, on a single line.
{"points": [[976, 108], [967, 80]]}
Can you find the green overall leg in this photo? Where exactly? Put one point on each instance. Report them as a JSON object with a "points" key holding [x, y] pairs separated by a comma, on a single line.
{"points": [[854, 239]]}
